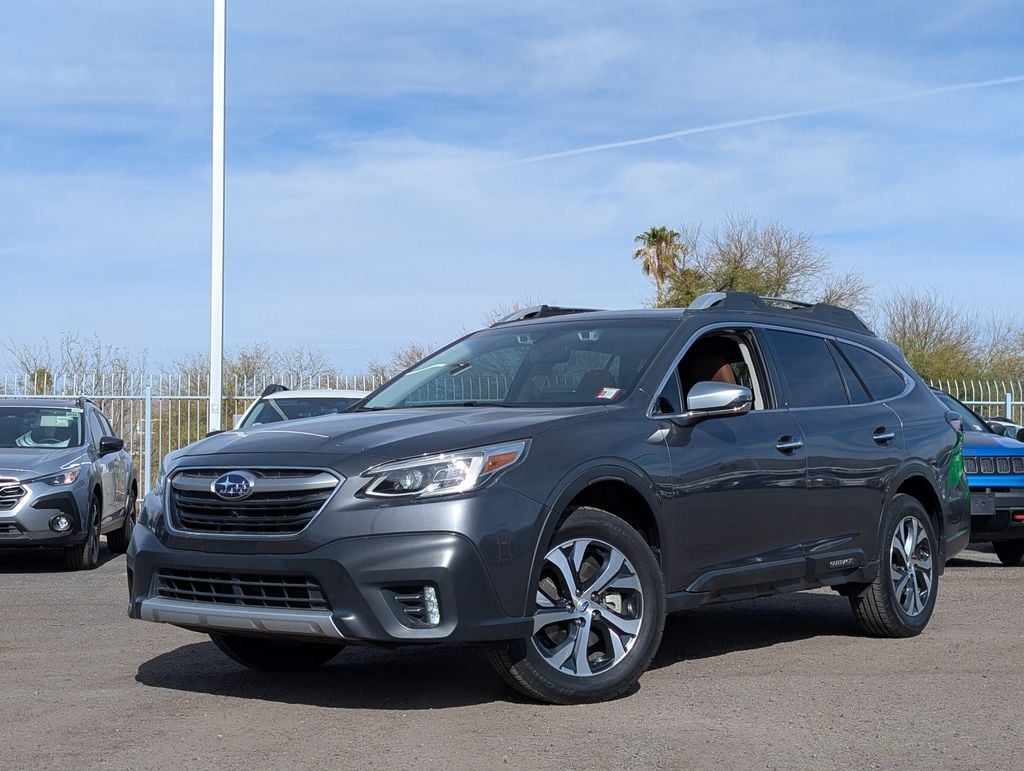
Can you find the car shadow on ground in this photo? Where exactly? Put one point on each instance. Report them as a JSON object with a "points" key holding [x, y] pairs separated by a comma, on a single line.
{"points": [[716, 630], [972, 557], [435, 677], [42, 560], [408, 678]]}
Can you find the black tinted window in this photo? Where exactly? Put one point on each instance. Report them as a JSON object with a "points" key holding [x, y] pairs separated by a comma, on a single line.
{"points": [[853, 385], [882, 380], [670, 401], [809, 369]]}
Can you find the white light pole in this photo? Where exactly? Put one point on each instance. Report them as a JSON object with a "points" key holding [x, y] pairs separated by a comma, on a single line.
{"points": [[217, 218]]}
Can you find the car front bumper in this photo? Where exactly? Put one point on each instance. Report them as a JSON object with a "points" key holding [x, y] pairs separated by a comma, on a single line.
{"points": [[359, 585], [28, 522]]}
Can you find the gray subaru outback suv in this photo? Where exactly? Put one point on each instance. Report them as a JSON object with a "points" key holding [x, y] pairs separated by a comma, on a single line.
{"points": [[554, 485], [65, 479]]}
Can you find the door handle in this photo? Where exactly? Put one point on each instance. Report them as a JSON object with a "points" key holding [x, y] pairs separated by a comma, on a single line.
{"points": [[881, 436], [788, 444]]}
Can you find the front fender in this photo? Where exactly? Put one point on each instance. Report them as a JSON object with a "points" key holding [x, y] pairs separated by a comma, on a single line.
{"points": [[575, 482]]}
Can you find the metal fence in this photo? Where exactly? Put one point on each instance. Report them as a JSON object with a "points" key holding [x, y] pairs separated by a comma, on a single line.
{"points": [[989, 398], [156, 414], [159, 413]]}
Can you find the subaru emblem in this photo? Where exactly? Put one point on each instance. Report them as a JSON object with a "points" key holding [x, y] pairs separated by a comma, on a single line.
{"points": [[234, 485]]}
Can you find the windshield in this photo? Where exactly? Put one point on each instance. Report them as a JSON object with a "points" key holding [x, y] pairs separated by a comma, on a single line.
{"points": [[563, 364], [971, 421], [50, 428], [275, 410]]}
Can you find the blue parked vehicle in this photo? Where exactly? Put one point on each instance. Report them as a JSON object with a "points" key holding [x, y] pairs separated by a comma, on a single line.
{"points": [[995, 472]]}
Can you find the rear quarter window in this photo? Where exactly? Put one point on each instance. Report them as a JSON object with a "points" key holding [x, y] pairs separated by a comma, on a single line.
{"points": [[881, 379]]}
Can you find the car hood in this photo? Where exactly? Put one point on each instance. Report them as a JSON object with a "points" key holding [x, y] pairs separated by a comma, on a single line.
{"points": [[979, 443], [392, 434], [26, 462]]}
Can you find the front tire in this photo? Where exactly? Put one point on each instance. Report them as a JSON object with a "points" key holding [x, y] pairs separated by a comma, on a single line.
{"points": [[900, 601], [86, 555], [118, 540], [268, 654], [600, 613], [1010, 553]]}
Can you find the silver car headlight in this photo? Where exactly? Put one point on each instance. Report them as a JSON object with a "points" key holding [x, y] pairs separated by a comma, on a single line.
{"points": [[63, 478], [444, 474]]}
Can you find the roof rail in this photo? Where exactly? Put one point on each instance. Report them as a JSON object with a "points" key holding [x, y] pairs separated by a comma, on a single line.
{"points": [[747, 301], [539, 312], [273, 388]]}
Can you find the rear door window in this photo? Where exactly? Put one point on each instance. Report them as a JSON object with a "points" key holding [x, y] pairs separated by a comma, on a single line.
{"points": [[808, 368], [854, 386], [881, 380]]}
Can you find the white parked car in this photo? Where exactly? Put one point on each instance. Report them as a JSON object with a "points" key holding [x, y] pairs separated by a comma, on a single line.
{"points": [[277, 404]]}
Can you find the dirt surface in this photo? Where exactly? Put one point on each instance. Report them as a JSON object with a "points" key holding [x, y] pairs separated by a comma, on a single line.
{"points": [[786, 682]]}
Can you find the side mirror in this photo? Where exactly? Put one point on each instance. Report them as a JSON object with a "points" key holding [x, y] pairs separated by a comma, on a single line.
{"points": [[997, 428], [109, 444], [236, 421], [711, 399], [1019, 434]]}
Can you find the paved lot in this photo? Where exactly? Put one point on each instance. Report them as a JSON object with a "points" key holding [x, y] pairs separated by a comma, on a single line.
{"points": [[785, 682]]}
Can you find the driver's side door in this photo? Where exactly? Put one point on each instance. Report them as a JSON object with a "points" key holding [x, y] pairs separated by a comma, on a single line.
{"points": [[738, 485]]}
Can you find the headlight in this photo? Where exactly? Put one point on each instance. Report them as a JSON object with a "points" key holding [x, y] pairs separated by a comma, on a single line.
{"points": [[63, 478], [445, 474], [161, 479]]}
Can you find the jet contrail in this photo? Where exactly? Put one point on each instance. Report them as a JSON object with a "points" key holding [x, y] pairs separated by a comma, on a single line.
{"points": [[769, 119]]}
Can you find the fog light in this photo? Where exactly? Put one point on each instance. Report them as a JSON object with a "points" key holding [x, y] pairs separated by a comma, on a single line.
{"points": [[430, 602], [1017, 516], [60, 523]]}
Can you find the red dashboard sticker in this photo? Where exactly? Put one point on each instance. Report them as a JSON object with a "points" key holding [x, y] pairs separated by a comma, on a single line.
{"points": [[608, 393]]}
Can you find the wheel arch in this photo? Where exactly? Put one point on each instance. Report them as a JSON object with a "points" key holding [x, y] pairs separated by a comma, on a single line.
{"points": [[917, 481], [616, 487]]}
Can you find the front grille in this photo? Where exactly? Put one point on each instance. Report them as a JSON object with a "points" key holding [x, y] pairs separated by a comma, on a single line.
{"points": [[249, 589], [994, 523], [10, 495], [282, 502], [9, 528], [1003, 464]]}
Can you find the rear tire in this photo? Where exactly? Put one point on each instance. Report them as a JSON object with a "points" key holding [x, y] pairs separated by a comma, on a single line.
{"points": [[118, 540], [86, 555], [900, 601], [269, 654], [1010, 553], [600, 613]]}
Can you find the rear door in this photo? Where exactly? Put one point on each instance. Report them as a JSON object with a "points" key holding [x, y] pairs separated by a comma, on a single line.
{"points": [[854, 445]]}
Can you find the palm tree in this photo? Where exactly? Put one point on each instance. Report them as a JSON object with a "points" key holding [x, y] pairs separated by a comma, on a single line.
{"points": [[659, 255]]}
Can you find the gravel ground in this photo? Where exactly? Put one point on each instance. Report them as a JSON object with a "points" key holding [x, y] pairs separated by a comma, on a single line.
{"points": [[785, 682]]}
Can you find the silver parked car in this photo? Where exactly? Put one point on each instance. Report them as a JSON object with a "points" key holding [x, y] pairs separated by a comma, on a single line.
{"points": [[65, 479]]}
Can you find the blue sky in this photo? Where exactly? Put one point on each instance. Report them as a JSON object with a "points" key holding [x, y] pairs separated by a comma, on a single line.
{"points": [[374, 190]]}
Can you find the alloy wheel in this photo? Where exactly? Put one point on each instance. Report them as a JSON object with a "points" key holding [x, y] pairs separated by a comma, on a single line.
{"points": [[589, 607], [911, 566]]}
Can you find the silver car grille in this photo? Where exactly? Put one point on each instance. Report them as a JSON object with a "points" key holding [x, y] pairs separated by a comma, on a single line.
{"points": [[10, 494], [987, 464]]}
